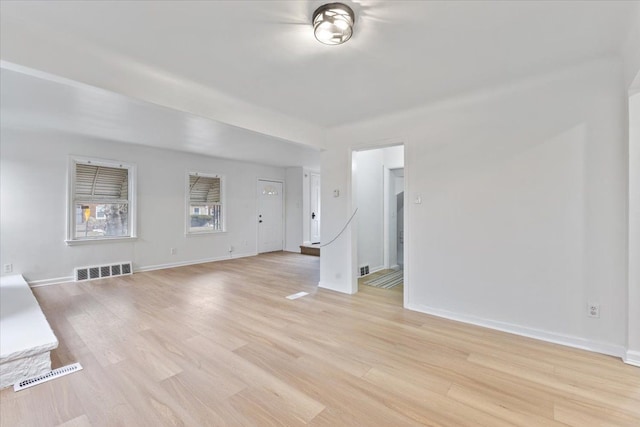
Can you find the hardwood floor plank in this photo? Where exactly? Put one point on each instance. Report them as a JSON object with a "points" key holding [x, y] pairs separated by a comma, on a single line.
{"points": [[424, 405], [13, 409], [81, 421], [554, 385], [152, 358], [298, 403], [507, 405], [151, 401], [218, 344], [579, 414], [99, 393]]}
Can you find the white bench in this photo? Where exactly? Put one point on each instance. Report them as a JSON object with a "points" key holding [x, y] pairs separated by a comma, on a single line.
{"points": [[26, 339]]}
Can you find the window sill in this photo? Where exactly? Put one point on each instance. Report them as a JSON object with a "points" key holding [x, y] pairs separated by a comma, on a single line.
{"points": [[203, 233], [100, 241]]}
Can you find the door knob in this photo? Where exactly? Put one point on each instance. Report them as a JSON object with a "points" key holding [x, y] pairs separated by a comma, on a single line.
{"points": [[313, 215]]}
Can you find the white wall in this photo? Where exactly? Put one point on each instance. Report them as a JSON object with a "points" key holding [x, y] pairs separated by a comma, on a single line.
{"points": [[33, 204], [631, 48], [368, 174], [393, 157], [523, 215], [293, 209], [633, 343]]}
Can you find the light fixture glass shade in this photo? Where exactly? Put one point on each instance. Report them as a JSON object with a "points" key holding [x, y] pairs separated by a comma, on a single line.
{"points": [[333, 23]]}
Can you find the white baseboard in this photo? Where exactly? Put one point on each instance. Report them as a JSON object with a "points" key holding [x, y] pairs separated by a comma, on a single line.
{"points": [[632, 358], [59, 280], [192, 262], [374, 269], [553, 337], [333, 287], [47, 282]]}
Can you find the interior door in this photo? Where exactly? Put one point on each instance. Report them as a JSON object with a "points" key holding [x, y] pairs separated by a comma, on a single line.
{"points": [[270, 222], [314, 224]]}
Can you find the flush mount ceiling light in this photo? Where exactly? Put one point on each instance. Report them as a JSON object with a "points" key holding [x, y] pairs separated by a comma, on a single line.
{"points": [[333, 23]]}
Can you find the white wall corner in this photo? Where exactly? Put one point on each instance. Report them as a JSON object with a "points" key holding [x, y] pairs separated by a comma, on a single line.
{"points": [[539, 334], [632, 358]]}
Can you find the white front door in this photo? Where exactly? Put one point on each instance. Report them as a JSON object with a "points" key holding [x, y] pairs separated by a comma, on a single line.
{"points": [[314, 230], [270, 216]]}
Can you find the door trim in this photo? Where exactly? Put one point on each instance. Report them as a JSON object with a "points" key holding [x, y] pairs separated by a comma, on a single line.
{"points": [[353, 252]]}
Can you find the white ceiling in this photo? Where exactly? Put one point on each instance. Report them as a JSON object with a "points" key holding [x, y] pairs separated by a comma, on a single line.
{"points": [[40, 104], [197, 56]]}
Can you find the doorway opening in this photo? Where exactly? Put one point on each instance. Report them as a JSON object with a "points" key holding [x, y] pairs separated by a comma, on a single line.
{"points": [[314, 207], [378, 193]]}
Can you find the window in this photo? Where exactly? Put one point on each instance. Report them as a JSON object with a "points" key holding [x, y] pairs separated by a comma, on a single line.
{"points": [[102, 200], [204, 203]]}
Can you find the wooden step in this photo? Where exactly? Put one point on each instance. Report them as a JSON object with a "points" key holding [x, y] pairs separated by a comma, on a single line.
{"points": [[312, 249]]}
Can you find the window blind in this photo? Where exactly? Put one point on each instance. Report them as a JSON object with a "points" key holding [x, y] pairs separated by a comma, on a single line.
{"points": [[101, 183], [204, 189]]}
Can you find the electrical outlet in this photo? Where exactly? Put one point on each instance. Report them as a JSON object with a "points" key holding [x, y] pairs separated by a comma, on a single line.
{"points": [[173, 251], [593, 310], [230, 248], [8, 268]]}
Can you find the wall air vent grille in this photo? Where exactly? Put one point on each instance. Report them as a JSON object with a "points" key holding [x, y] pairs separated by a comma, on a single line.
{"points": [[82, 274], [364, 270], [102, 271]]}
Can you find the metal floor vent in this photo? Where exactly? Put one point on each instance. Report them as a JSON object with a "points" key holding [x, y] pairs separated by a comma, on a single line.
{"points": [[101, 271], [56, 373]]}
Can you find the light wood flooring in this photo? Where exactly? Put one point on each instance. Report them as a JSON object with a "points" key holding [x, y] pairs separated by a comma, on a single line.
{"points": [[219, 345]]}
